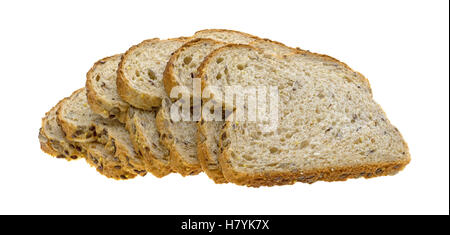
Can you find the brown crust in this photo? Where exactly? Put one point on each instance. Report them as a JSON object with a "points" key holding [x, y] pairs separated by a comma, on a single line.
{"points": [[226, 30], [284, 178], [169, 79], [97, 104], [153, 165], [125, 89]]}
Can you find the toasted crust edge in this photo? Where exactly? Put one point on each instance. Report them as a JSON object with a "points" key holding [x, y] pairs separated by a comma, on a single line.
{"points": [[227, 30], [286, 178], [96, 102]]}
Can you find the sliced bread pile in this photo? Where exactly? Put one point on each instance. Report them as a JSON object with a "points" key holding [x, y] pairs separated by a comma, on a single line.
{"points": [[329, 128]]}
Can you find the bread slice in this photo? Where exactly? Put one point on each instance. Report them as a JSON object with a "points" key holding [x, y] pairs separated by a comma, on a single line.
{"points": [[101, 89], [180, 138], [145, 137], [77, 120], [52, 140], [180, 71], [140, 73], [329, 127]]}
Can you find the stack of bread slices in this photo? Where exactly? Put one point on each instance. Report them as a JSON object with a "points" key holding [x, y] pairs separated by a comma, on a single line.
{"points": [[329, 128]]}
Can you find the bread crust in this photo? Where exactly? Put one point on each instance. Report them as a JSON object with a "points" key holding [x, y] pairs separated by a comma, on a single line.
{"points": [[99, 105], [329, 175], [226, 30], [126, 91]]}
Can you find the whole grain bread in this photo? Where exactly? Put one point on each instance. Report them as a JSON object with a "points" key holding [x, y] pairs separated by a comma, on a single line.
{"points": [[140, 73], [75, 118], [53, 141], [145, 137], [329, 127], [78, 121], [101, 89], [181, 70], [105, 163]]}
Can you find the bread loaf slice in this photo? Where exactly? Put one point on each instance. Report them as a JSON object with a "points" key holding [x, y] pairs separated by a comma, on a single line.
{"points": [[52, 140], [77, 118], [145, 137], [140, 73], [182, 68], [101, 89], [329, 126]]}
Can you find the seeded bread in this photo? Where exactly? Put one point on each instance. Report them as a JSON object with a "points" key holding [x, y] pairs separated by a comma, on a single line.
{"points": [[53, 141], [118, 143], [101, 89], [182, 67], [180, 138], [75, 116], [140, 73], [145, 137], [105, 163], [329, 126]]}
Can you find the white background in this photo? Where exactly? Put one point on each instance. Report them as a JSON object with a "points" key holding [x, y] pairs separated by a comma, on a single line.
{"points": [[46, 48]]}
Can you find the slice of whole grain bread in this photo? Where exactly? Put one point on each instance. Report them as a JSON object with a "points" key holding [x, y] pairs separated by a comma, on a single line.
{"points": [[329, 126], [101, 89]]}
